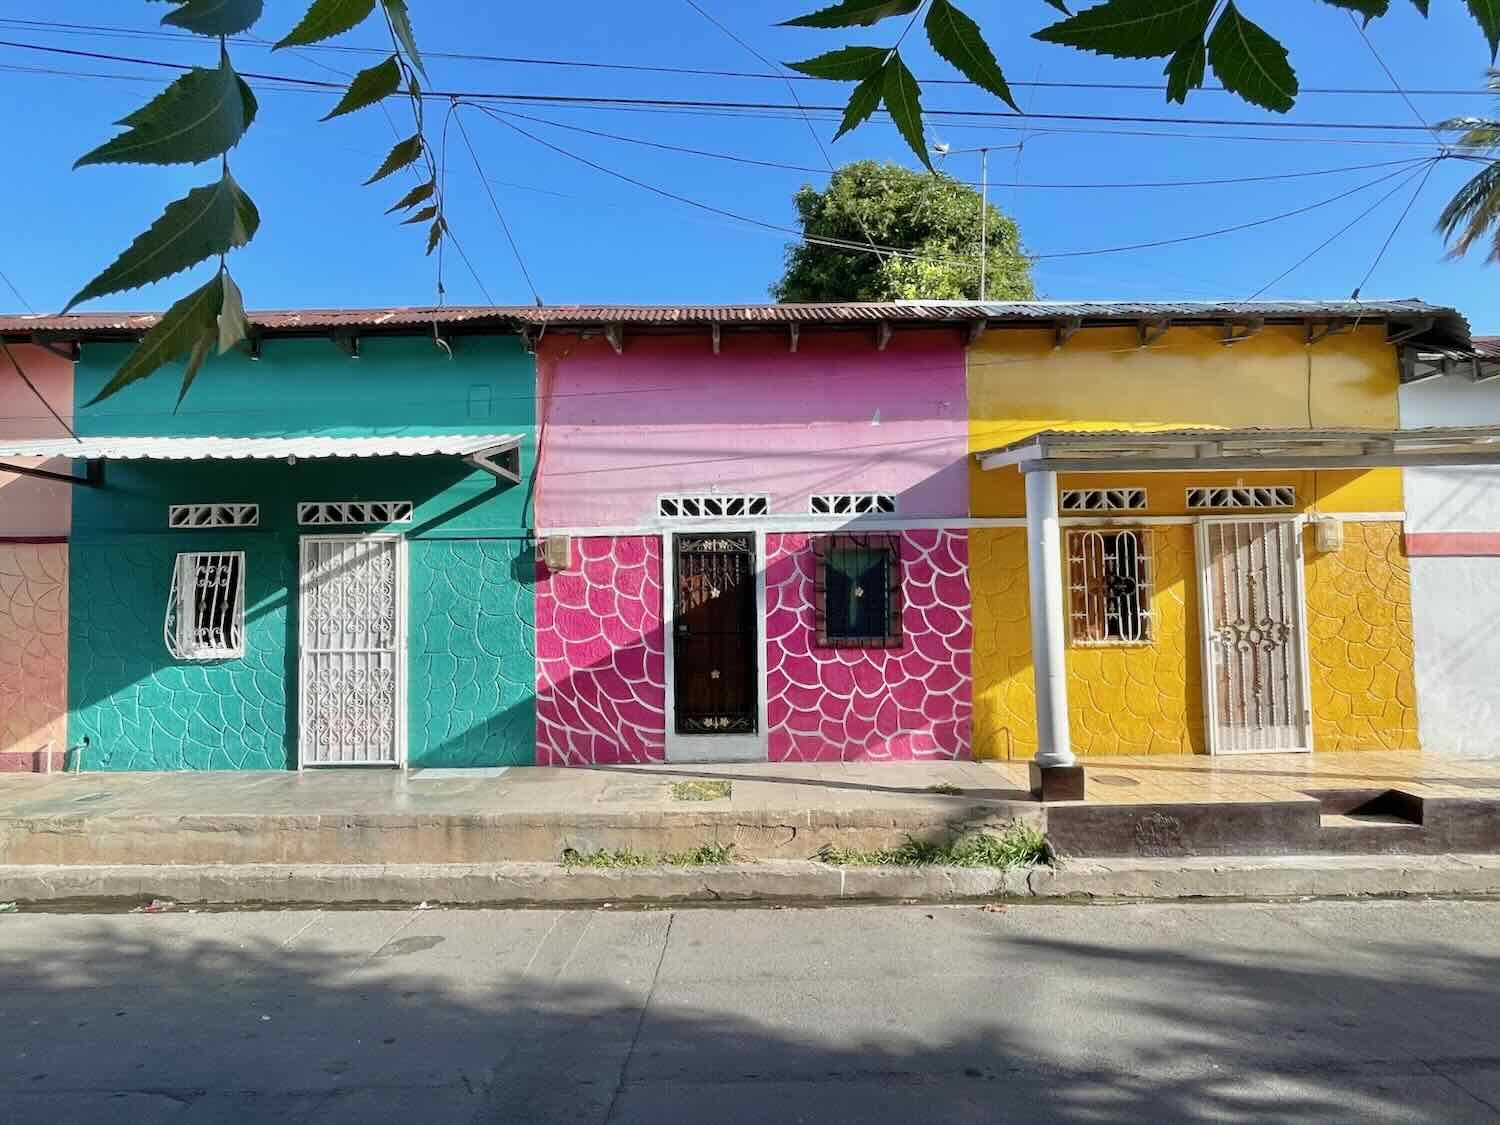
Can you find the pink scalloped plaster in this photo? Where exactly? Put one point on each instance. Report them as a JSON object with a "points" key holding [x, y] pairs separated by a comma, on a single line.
{"points": [[600, 667], [33, 652], [845, 705]]}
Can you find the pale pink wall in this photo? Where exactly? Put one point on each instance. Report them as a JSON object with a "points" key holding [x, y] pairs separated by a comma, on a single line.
{"points": [[670, 416], [842, 704], [33, 654], [600, 661], [28, 506]]}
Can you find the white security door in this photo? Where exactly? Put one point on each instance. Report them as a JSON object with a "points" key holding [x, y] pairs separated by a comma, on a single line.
{"points": [[352, 660], [1254, 636]]}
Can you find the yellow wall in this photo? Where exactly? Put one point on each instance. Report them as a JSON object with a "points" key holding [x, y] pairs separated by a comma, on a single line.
{"points": [[1147, 699], [1020, 383]]}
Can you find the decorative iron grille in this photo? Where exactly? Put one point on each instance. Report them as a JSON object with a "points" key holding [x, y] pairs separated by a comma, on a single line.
{"points": [[857, 591], [213, 515], [1103, 499], [851, 503], [1231, 499], [206, 606], [343, 512], [709, 505], [1109, 587]]}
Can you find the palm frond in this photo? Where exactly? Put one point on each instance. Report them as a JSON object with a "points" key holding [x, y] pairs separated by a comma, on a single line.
{"points": [[1475, 207]]}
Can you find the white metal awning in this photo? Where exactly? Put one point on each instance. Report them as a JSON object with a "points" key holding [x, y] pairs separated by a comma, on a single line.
{"points": [[1116, 451], [498, 454]]}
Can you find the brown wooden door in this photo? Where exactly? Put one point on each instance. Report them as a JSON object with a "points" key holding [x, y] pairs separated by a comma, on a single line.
{"points": [[714, 643]]}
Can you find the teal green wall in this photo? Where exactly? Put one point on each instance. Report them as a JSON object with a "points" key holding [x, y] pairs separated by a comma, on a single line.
{"points": [[471, 669]]}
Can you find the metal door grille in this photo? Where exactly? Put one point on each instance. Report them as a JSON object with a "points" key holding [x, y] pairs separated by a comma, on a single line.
{"points": [[1254, 638], [352, 651], [715, 669]]}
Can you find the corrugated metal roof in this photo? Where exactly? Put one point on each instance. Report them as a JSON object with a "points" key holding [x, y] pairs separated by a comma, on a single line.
{"points": [[1449, 325], [1487, 347], [257, 448]]}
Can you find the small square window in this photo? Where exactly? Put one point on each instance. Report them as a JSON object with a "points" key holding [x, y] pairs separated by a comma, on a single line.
{"points": [[857, 591], [206, 606], [1109, 587]]}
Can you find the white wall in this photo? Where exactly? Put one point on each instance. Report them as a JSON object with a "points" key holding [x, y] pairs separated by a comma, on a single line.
{"points": [[1455, 600]]}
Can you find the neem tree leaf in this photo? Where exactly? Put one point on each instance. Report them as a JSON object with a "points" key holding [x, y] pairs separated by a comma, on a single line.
{"points": [[958, 39], [207, 221], [852, 13], [403, 153], [1132, 29], [325, 19], [233, 326], [183, 329], [1184, 70], [848, 64], [395, 11], [201, 115], [864, 101], [421, 216], [903, 101], [1487, 12], [369, 86], [1251, 63], [1421, 6], [416, 195], [1367, 8], [215, 17], [435, 235]]}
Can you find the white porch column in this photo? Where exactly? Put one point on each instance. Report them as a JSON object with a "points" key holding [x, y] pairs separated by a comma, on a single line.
{"points": [[1044, 579]]}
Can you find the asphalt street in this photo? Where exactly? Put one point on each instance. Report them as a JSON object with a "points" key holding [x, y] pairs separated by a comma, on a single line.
{"points": [[1310, 1012]]}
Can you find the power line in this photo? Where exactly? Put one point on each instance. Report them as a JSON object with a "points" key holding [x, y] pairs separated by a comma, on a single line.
{"points": [[11, 285], [1386, 245], [56, 27], [484, 180]]}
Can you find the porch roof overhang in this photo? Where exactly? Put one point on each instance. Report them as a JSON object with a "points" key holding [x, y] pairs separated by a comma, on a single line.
{"points": [[1250, 449], [496, 454]]}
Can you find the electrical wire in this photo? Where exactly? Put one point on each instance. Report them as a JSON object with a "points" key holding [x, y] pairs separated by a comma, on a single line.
{"points": [[1386, 245], [484, 180]]}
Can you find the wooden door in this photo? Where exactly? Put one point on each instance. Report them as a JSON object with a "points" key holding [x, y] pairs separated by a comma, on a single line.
{"points": [[714, 665]]}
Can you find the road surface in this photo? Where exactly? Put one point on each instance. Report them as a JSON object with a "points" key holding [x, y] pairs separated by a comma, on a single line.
{"points": [[1313, 1012]]}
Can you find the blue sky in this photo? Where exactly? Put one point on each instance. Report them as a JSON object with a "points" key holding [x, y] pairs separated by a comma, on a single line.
{"points": [[589, 236]]}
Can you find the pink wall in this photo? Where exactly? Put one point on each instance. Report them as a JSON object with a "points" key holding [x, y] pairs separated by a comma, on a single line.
{"points": [[31, 507], [670, 416], [33, 655], [601, 671], [911, 702]]}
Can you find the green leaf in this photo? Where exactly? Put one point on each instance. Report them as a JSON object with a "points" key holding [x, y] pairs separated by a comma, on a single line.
{"points": [[435, 234], [1250, 62], [1132, 29], [903, 101], [1060, 6], [215, 17], [1367, 8], [1487, 12], [1421, 6], [957, 38], [848, 64], [233, 326], [864, 101], [851, 13], [1184, 70], [325, 19], [201, 115], [395, 11], [421, 216], [368, 87], [416, 195], [191, 325], [208, 220], [404, 153]]}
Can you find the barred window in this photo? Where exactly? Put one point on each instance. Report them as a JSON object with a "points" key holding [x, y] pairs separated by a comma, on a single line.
{"points": [[857, 591], [206, 606], [1109, 587]]}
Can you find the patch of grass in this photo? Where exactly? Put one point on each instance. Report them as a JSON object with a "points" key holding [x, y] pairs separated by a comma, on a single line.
{"points": [[945, 789], [1020, 845], [705, 855], [701, 790]]}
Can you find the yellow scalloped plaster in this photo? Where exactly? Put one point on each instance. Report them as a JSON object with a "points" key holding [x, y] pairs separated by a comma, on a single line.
{"points": [[1360, 642]]}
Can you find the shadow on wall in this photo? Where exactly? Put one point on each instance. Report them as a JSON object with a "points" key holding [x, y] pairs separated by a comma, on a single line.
{"points": [[450, 1023]]}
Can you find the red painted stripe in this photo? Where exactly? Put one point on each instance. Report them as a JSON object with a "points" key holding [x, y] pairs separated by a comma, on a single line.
{"points": [[1453, 543]]}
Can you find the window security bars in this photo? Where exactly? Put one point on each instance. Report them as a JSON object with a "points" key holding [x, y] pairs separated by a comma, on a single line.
{"points": [[857, 591], [852, 503], [213, 515], [1103, 500], [1270, 496], [709, 505], [206, 606], [342, 512], [1109, 587]]}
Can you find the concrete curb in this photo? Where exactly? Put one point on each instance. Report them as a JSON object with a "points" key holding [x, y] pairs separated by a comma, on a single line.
{"points": [[779, 881]]}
